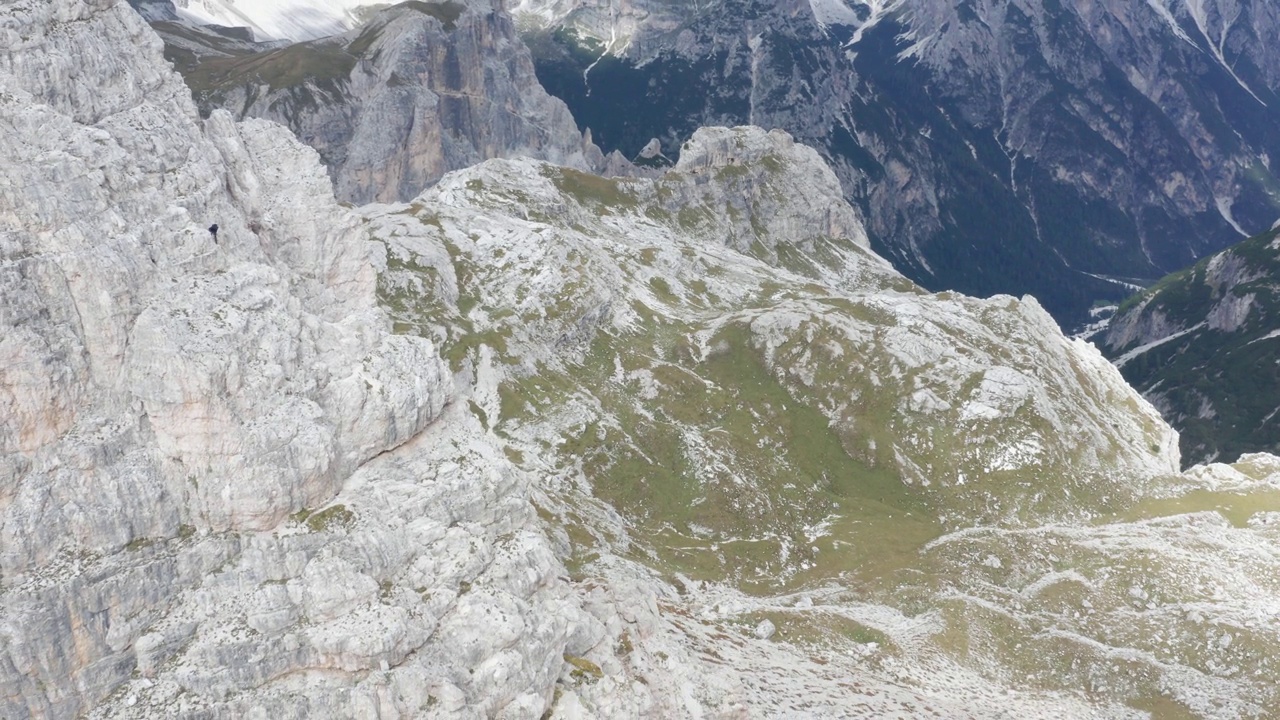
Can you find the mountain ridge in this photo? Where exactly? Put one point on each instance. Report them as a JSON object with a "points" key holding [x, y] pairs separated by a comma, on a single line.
{"points": [[992, 147], [412, 92]]}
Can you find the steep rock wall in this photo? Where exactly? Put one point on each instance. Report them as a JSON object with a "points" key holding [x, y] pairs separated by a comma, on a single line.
{"points": [[158, 385], [419, 90]]}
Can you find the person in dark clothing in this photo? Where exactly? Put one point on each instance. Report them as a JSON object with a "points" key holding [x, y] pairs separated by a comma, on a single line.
{"points": [[213, 230]]}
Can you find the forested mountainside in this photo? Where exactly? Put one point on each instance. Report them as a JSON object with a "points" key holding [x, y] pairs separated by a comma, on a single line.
{"points": [[1032, 146], [1202, 345]]}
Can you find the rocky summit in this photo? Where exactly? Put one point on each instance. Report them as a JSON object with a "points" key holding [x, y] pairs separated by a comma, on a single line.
{"points": [[539, 443]]}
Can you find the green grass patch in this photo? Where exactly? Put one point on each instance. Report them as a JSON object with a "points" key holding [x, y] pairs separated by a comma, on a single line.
{"points": [[290, 66], [139, 543], [605, 194], [458, 351], [662, 289], [783, 468], [331, 518], [1236, 507], [583, 669]]}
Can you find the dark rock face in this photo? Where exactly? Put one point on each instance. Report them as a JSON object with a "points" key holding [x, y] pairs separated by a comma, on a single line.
{"points": [[1204, 346], [1023, 147], [422, 89]]}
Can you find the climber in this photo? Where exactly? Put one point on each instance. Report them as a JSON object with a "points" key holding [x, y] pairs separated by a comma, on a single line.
{"points": [[213, 230]]}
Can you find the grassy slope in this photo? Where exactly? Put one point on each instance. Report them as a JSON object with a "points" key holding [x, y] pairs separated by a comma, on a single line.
{"points": [[728, 460]]}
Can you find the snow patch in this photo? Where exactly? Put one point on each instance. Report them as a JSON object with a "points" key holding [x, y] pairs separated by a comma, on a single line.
{"points": [[1269, 336], [279, 19], [833, 12], [1224, 209], [878, 10], [1125, 358]]}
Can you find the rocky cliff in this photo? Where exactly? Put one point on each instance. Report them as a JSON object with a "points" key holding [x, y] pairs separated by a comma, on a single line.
{"points": [[688, 447], [1022, 147], [162, 392], [1200, 344], [416, 91]]}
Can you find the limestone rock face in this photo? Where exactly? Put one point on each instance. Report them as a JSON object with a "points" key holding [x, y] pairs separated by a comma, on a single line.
{"points": [[155, 10], [158, 385], [975, 391], [777, 188], [732, 430], [417, 91], [667, 412]]}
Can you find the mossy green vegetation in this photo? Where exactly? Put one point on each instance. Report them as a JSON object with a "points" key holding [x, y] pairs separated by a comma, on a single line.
{"points": [[730, 423], [724, 471], [730, 468], [291, 66], [1236, 507], [816, 630], [583, 669], [139, 543], [331, 518], [606, 195], [409, 292]]}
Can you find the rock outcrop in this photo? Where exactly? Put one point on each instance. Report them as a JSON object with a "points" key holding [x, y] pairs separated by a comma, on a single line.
{"points": [[930, 496], [156, 10], [420, 89], [162, 391]]}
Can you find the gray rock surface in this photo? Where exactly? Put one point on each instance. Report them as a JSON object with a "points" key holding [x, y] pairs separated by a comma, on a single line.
{"points": [[417, 91], [155, 10], [706, 427], [160, 390]]}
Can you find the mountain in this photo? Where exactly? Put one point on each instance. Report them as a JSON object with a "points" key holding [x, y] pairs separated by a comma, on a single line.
{"points": [[991, 145], [294, 20], [1201, 346], [541, 443], [418, 90]]}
